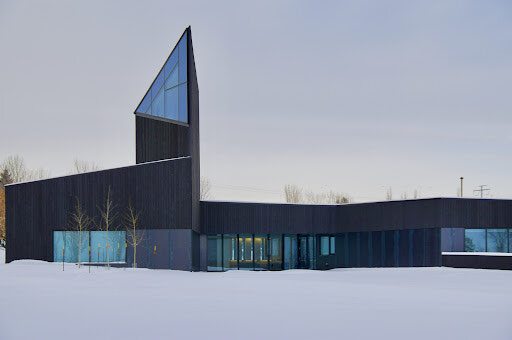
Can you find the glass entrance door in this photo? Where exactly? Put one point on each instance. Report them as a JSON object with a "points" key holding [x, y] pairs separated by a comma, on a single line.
{"points": [[304, 252]]}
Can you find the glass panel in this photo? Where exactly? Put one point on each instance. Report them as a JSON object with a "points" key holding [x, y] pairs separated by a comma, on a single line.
{"points": [[332, 245], [108, 246], [510, 240], [74, 243], [159, 81], [291, 256], [144, 105], [474, 240], [182, 62], [171, 63], [305, 251], [117, 246], [260, 252], [157, 107], [183, 103], [324, 245], [171, 103], [497, 240], [230, 258], [276, 252], [172, 80], [245, 252], [58, 243], [214, 252]]}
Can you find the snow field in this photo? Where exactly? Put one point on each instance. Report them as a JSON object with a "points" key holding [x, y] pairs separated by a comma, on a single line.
{"points": [[41, 301]]}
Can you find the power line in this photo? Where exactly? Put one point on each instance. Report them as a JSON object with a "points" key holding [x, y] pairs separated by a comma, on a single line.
{"points": [[481, 190]]}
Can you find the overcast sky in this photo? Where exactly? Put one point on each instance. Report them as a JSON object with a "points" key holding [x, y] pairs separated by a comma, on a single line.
{"points": [[352, 96]]}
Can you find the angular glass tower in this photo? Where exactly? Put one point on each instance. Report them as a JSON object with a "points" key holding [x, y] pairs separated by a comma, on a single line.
{"points": [[167, 95], [167, 120]]}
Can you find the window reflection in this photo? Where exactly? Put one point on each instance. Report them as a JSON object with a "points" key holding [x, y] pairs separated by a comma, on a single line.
{"points": [[497, 240], [474, 240], [230, 250]]}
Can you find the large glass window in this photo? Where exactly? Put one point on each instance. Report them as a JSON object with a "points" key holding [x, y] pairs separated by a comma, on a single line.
{"points": [[324, 245], [291, 254], [167, 96], [474, 240], [108, 246], [230, 249], [276, 252], [245, 252], [260, 252], [214, 252], [497, 240], [74, 246]]}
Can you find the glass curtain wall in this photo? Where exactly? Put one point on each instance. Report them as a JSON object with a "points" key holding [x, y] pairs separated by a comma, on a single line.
{"points": [[264, 251], [488, 240], [275, 252], [111, 246], [230, 249], [261, 252], [291, 252], [245, 252]]}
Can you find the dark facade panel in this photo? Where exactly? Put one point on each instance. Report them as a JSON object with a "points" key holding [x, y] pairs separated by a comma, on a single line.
{"points": [[477, 213], [161, 190], [478, 261], [231, 217]]}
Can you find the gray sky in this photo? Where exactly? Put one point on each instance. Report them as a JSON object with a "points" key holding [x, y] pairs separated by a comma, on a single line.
{"points": [[352, 96]]}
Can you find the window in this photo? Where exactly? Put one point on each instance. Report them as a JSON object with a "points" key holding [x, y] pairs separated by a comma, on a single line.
{"points": [[73, 246], [474, 240], [332, 249], [324, 245], [497, 240], [230, 249], [214, 252], [245, 252], [260, 252], [167, 96]]}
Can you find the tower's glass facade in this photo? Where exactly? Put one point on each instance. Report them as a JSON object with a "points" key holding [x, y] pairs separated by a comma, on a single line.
{"points": [[167, 96]]}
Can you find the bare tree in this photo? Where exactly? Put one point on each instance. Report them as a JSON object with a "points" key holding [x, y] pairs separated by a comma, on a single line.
{"points": [[79, 226], [80, 166], [205, 189], [134, 235], [292, 194], [404, 195], [18, 171], [389, 194], [416, 194], [313, 198], [106, 223], [333, 197]]}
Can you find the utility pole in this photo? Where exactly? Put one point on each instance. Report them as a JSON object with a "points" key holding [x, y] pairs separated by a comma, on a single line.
{"points": [[481, 190], [461, 187]]}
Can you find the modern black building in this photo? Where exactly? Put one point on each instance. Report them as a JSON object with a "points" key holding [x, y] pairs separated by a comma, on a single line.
{"points": [[182, 232]]}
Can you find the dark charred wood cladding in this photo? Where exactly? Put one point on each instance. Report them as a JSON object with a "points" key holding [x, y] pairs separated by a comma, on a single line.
{"points": [[231, 217], [157, 140], [478, 261], [161, 190]]}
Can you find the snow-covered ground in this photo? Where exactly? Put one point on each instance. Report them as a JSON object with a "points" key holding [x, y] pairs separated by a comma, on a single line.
{"points": [[39, 301]]}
